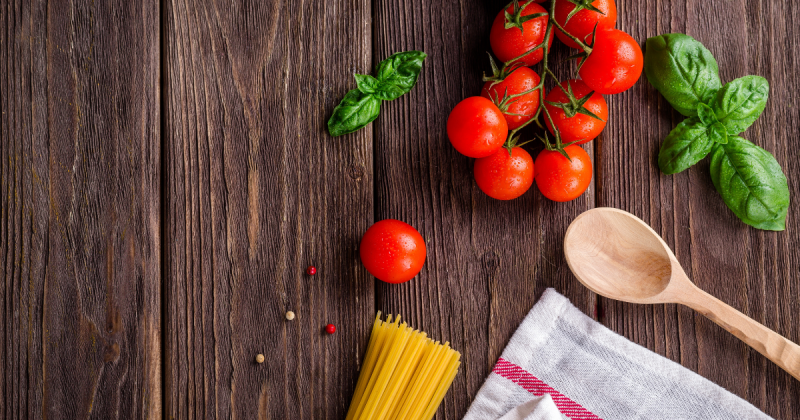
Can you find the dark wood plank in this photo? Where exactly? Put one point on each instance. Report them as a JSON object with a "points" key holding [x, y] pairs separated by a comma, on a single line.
{"points": [[488, 261], [255, 192], [80, 207], [751, 270]]}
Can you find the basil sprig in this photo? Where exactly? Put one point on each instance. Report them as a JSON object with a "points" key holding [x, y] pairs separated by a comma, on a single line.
{"points": [[396, 76], [748, 178]]}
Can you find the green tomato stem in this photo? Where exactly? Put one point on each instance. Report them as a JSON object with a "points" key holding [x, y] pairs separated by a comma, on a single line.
{"points": [[546, 72], [587, 49]]}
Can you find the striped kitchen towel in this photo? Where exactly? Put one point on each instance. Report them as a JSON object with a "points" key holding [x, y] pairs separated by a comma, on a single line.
{"points": [[562, 364]]}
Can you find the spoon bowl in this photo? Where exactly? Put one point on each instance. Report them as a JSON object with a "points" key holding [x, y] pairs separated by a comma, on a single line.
{"points": [[617, 255]]}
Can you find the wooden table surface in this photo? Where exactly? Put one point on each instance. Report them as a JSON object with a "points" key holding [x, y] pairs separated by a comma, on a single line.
{"points": [[166, 177]]}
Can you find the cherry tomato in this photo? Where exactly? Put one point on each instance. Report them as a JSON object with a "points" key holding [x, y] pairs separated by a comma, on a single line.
{"points": [[580, 127], [392, 251], [511, 43], [520, 80], [503, 176], [476, 127], [560, 179], [615, 63], [581, 24]]}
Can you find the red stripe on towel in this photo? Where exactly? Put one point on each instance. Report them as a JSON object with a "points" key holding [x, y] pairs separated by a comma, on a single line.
{"points": [[537, 387]]}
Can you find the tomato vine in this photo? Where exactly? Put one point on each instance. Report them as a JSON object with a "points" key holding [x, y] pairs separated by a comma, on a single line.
{"points": [[515, 20]]}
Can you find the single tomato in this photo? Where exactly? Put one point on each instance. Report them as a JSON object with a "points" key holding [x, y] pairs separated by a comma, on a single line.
{"points": [[476, 127], [561, 179], [392, 251], [582, 22], [505, 176], [614, 64], [570, 117], [513, 42], [519, 110]]}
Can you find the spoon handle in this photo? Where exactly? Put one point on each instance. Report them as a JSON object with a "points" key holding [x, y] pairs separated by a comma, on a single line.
{"points": [[772, 345]]}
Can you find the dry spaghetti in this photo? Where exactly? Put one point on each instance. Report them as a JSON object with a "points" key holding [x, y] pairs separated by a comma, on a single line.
{"points": [[405, 374]]}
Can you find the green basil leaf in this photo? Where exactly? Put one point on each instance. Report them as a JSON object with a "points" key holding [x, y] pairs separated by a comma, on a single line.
{"points": [[366, 83], [706, 114], [751, 183], [356, 110], [717, 133], [687, 144], [388, 92], [382, 90], [741, 102], [683, 70], [398, 73]]}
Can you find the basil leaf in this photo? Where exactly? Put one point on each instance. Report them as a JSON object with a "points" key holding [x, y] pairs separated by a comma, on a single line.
{"points": [[717, 133], [356, 110], [683, 70], [686, 144], [706, 114], [398, 74], [739, 104], [382, 90], [751, 183], [366, 83]]}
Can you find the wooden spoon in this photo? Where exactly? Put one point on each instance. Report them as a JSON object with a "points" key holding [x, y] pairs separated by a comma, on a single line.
{"points": [[617, 255]]}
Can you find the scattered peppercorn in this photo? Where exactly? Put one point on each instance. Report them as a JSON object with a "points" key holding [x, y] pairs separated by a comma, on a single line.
{"points": [[311, 270], [330, 328], [260, 358], [290, 315]]}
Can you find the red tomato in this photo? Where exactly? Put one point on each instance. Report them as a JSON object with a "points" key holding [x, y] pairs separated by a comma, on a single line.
{"points": [[392, 251], [615, 63], [580, 127], [581, 24], [560, 179], [511, 43], [520, 80], [503, 176], [476, 127]]}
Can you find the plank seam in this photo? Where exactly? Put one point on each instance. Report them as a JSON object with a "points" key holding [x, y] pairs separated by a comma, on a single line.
{"points": [[166, 376]]}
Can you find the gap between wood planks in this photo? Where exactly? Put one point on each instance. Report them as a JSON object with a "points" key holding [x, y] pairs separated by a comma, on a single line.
{"points": [[166, 371]]}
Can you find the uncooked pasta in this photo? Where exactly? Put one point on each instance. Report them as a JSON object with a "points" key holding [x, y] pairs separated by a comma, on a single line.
{"points": [[405, 374]]}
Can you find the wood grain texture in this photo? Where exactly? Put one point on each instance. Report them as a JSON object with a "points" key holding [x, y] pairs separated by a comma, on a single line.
{"points": [[488, 261], [255, 192], [752, 270], [218, 109], [79, 190]]}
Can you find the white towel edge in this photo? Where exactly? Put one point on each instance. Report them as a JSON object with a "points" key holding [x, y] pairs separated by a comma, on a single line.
{"points": [[552, 306]]}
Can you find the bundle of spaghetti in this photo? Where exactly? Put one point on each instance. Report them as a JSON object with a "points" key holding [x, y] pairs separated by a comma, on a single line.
{"points": [[405, 374]]}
